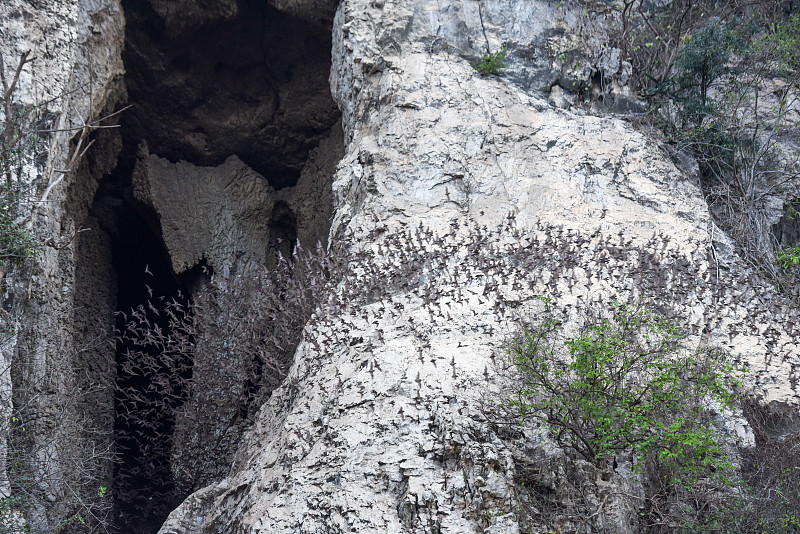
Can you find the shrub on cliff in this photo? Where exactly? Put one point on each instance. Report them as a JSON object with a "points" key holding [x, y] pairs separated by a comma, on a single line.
{"points": [[25, 182], [738, 127], [492, 63], [704, 59], [622, 390], [16, 242], [623, 384], [721, 80]]}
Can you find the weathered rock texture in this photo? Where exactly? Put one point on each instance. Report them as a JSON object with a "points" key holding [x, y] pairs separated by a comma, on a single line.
{"points": [[379, 425], [226, 155], [229, 219], [224, 78], [230, 216], [53, 335], [459, 198]]}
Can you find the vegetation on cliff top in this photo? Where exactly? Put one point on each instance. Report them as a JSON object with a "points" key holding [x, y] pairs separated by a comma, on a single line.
{"points": [[721, 81]]}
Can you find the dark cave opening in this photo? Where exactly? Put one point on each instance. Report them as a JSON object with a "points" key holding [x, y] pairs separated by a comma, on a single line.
{"points": [[151, 374], [206, 81], [151, 380], [250, 81], [283, 229]]}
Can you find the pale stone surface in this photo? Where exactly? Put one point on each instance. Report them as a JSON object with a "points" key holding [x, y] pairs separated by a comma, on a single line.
{"points": [[379, 425], [222, 215], [208, 213]]}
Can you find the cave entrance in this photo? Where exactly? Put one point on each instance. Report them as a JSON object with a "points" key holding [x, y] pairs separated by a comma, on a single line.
{"points": [[152, 376], [213, 79], [227, 158]]}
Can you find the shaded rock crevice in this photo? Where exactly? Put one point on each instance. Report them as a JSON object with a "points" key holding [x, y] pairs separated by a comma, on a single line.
{"points": [[252, 81], [145, 396]]}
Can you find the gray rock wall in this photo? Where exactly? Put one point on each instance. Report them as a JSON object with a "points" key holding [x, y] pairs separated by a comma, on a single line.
{"points": [[58, 317], [460, 198], [464, 198], [57, 322]]}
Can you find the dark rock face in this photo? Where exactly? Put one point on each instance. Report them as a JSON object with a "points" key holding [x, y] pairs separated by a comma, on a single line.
{"points": [[181, 15], [311, 10], [213, 79], [787, 229]]}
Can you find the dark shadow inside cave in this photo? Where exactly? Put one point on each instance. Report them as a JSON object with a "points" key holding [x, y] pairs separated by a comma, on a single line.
{"points": [[252, 81], [151, 381], [151, 374], [206, 81], [283, 230]]}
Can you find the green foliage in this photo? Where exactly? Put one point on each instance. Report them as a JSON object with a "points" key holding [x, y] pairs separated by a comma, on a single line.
{"points": [[703, 59], [19, 147], [624, 384], [717, 100], [16, 242], [492, 64], [651, 33], [789, 257], [781, 45]]}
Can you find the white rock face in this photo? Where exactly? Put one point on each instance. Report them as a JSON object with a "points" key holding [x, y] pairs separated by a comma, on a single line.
{"points": [[461, 198], [213, 200], [222, 215], [379, 426]]}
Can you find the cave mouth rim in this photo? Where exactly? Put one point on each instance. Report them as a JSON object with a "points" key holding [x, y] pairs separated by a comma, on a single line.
{"points": [[122, 183]]}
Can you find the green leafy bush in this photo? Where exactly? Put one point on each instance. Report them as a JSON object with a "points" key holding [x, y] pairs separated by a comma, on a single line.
{"points": [[789, 257], [723, 93], [623, 384], [16, 138], [780, 44], [16, 242], [705, 58], [492, 64], [652, 33]]}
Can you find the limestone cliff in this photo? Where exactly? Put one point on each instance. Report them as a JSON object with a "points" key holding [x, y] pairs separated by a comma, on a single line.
{"points": [[396, 441], [458, 198], [50, 327]]}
